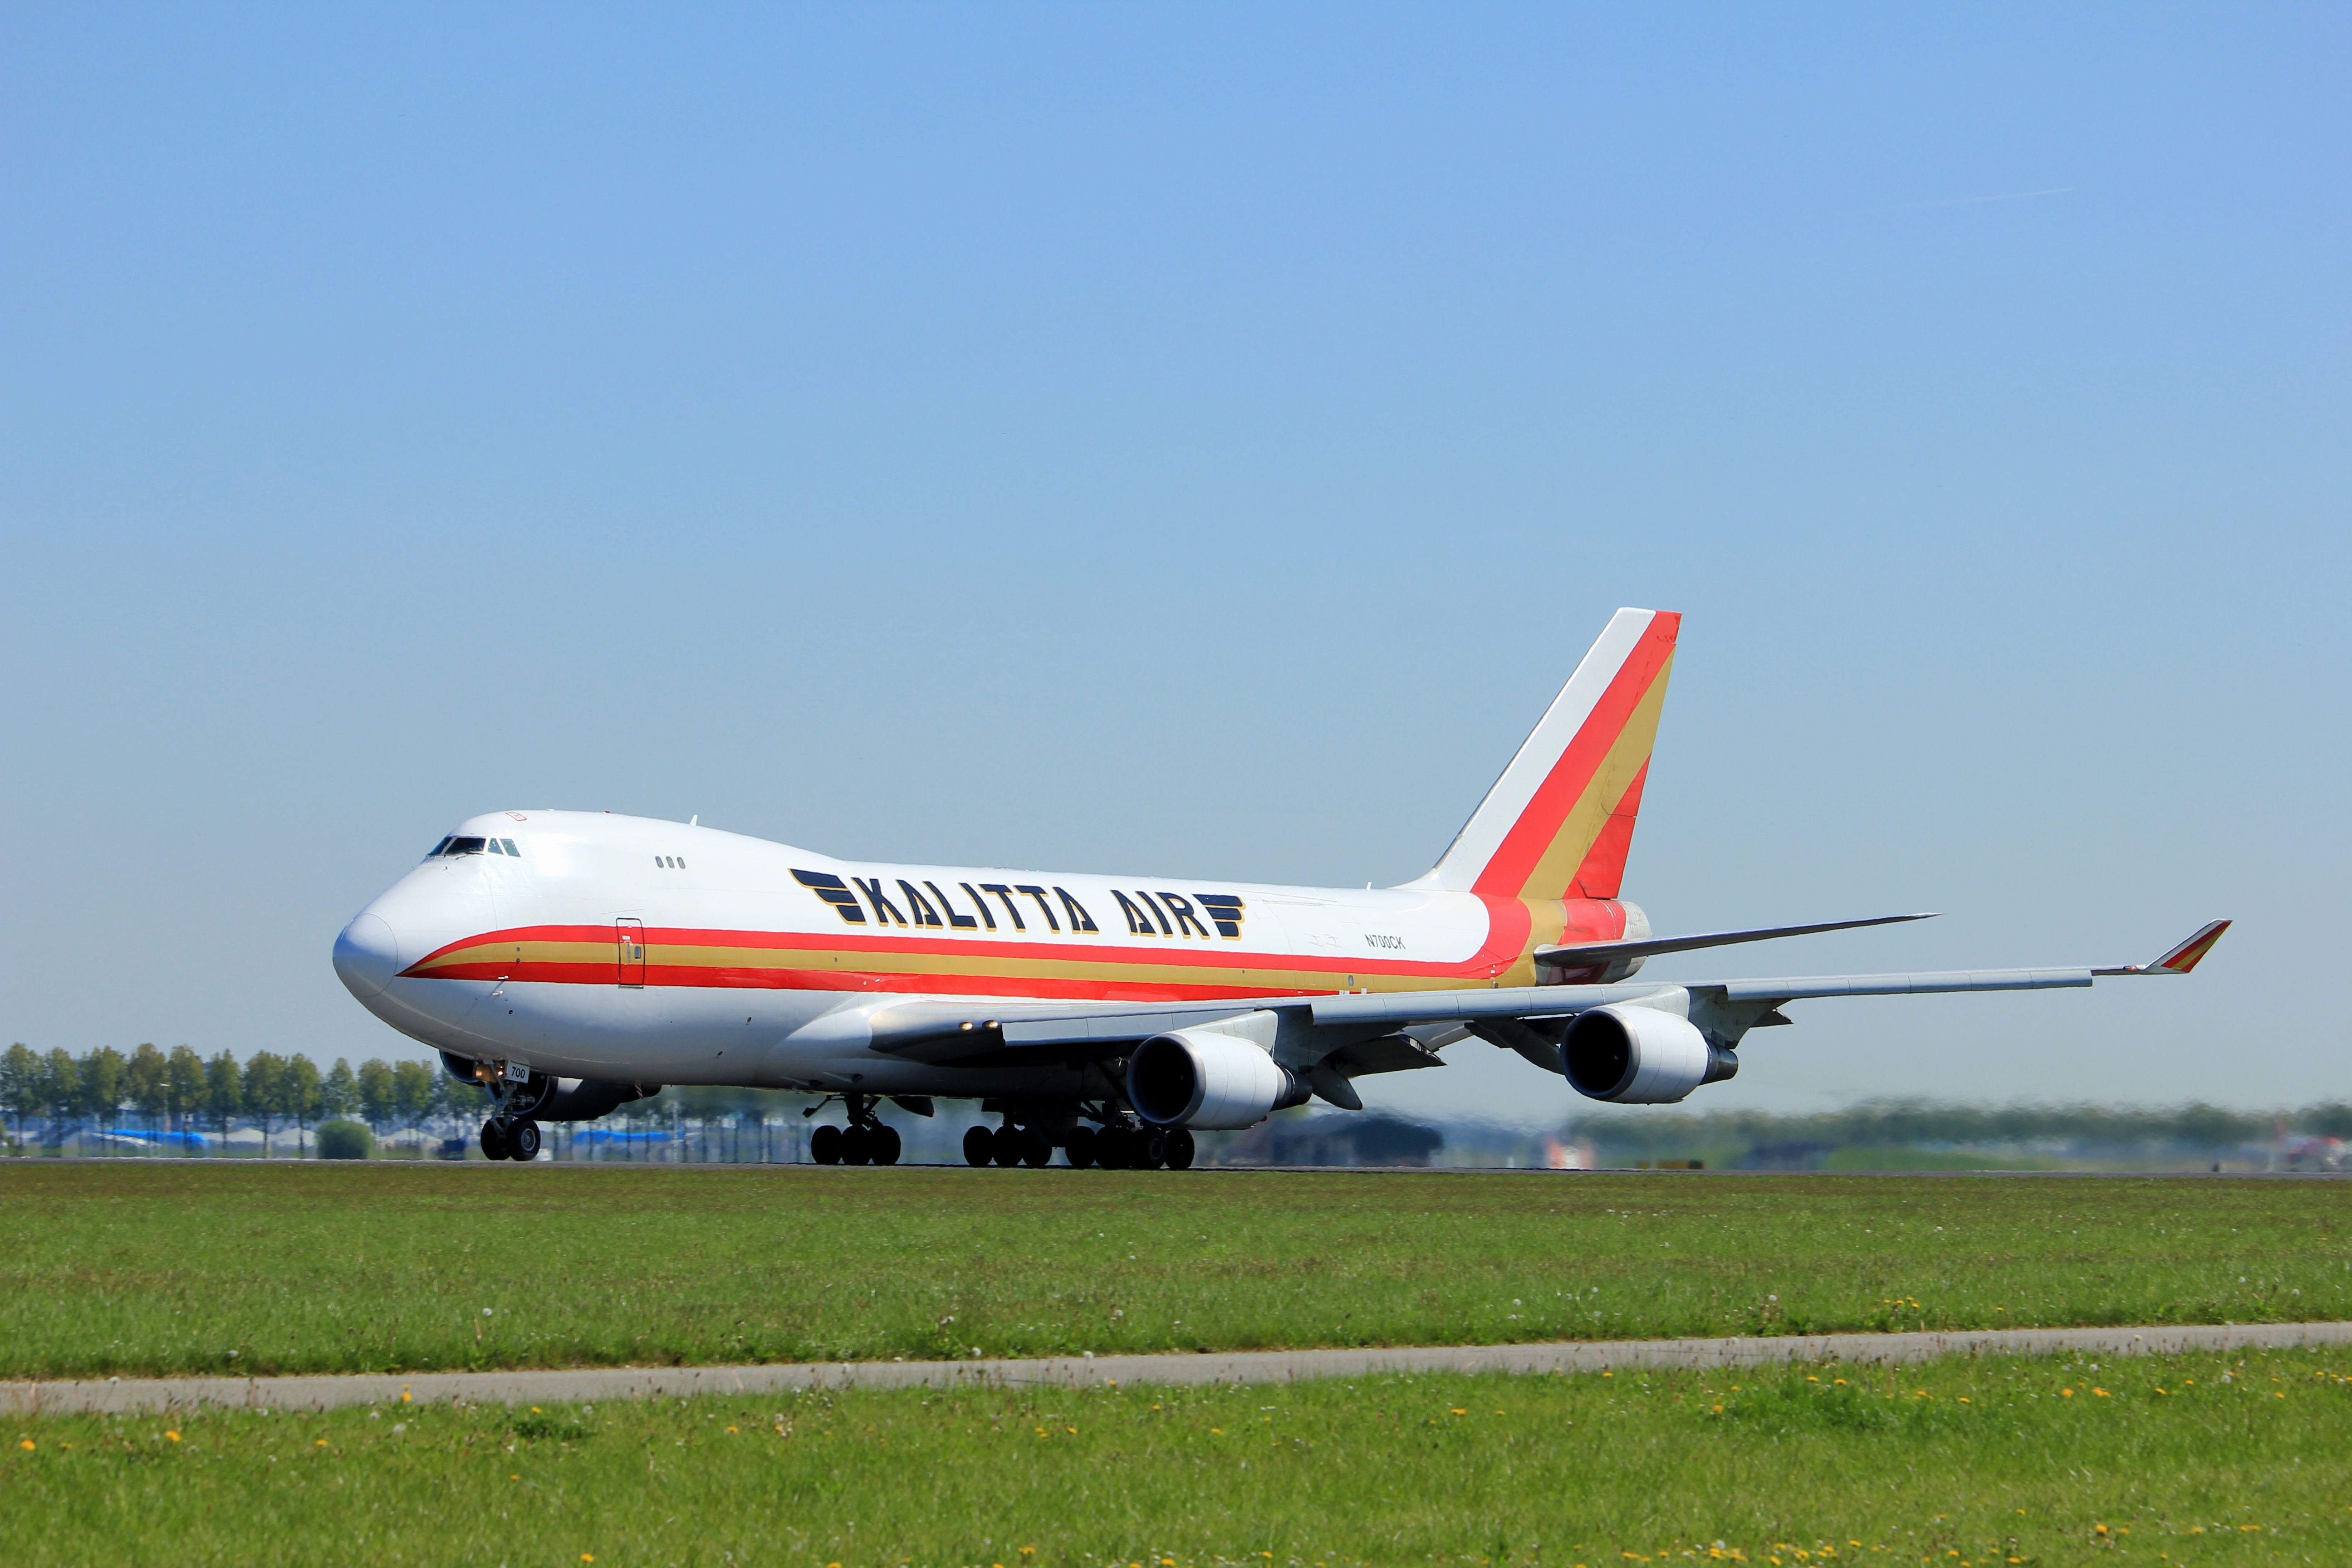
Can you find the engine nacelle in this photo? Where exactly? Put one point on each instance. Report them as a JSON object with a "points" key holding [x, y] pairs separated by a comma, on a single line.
{"points": [[1639, 1056], [1199, 1078]]}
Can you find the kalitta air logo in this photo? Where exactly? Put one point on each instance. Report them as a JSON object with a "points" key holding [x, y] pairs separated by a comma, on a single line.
{"points": [[1160, 913]]}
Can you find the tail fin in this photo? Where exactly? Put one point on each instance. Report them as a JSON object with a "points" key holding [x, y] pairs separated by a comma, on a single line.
{"points": [[1560, 820]]}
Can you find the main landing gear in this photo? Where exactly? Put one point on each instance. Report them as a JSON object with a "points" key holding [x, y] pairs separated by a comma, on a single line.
{"points": [[866, 1141], [1118, 1145]]}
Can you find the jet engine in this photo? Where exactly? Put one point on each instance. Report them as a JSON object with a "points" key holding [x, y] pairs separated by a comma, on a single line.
{"points": [[1640, 1055], [1199, 1078]]}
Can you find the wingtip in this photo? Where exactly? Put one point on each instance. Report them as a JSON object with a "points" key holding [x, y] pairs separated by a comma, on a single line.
{"points": [[2191, 954]]}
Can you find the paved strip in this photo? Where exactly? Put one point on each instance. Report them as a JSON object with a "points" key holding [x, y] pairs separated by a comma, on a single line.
{"points": [[588, 1385]]}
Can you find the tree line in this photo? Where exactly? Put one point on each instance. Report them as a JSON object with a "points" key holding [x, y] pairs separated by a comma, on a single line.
{"points": [[1913, 1122], [179, 1090]]}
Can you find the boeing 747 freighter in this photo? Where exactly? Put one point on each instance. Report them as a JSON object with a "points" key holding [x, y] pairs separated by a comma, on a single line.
{"points": [[572, 962]]}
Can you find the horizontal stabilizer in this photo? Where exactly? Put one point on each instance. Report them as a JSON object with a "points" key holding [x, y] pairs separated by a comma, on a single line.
{"points": [[1586, 955]]}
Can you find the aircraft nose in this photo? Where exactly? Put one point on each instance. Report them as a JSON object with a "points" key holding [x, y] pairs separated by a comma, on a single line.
{"points": [[367, 955]]}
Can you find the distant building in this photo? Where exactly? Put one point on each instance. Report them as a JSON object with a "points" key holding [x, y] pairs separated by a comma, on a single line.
{"points": [[1353, 1139]]}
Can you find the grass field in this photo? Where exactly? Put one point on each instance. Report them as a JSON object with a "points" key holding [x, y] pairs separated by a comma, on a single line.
{"points": [[2189, 1460], [182, 1267]]}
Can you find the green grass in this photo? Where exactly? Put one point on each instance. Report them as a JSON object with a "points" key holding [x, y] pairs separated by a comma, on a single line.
{"points": [[134, 1267], [2186, 1460]]}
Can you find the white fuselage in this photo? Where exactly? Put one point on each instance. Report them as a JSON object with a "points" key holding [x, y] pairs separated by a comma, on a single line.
{"points": [[642, 951]]}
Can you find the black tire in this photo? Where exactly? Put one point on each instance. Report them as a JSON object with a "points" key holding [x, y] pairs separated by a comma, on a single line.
{"points": [[857, 1146], [979, 1146], [1111, 1145], [824, 1145], [1079, 1147], [1010, 1144], [1179, 1148], [882, 1145], [1153, 1151], [494, 1141], [523, 1140], [1038, 1149]]}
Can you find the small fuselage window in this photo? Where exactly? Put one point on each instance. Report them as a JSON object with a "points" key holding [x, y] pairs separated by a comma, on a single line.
{"points": [[670, 862]]}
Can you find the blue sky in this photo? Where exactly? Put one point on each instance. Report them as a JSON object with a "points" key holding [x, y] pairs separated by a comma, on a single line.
{"points": [[1195, 439]]}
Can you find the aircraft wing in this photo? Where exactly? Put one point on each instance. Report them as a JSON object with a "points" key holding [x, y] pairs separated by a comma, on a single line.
{"points": [[979, 1033]]}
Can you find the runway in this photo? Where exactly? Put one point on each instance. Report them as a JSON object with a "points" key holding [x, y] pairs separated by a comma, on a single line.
{"points": [[587, 1385]]}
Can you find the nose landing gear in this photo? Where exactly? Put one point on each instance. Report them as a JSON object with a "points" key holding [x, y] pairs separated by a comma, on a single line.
{"points": [[516, 1140], [866, 1141]]}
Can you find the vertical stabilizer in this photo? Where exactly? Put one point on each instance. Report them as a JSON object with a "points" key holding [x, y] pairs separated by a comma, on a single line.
{"points": [[1560, 820]]}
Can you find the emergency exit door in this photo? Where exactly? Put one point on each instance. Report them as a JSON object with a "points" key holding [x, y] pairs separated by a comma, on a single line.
{"points": [[630, 937]]}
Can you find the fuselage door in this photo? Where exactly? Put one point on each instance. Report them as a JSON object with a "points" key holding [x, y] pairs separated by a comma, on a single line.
{"points": [[630, 937]]}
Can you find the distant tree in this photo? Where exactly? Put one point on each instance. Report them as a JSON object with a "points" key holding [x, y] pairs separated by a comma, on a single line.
{"points": [[338, 1094], [102, 1073], [146, 1083], [375, 1092], [183, 1084], [223, 1090], [265, 1087], [20, 1085], [412, 1091], [60, 1091], [457, 1097], [301, 1093], [2327, 1121]]}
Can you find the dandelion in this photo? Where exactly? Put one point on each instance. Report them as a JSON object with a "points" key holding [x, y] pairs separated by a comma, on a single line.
{"points": [[587, 1557], [174, 1436], [29, 1445], [321, 1443], [2103, 1394], [2065, 1393]]}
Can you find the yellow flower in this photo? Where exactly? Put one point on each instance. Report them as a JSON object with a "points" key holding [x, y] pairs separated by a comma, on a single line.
{"points": [[2103, 1394], [322, 1442], [1457, 1411], [29, 1445], [173, 1435], [2065, 1393]]}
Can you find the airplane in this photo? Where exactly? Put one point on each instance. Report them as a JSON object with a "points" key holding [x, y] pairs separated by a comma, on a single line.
{"points": [[570, 963]]}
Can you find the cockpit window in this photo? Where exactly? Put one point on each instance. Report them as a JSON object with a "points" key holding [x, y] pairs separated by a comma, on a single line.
{"points": [[511, 849], [437, 848], [462, 847]]}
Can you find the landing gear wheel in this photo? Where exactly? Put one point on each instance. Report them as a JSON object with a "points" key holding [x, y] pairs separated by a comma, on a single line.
{"points": [[979, 1146], [882, 1144], [1079, 1147], [1036, 1152], [1154, 1151], [1179, 1148], [1111, 1146], [523, 1140], [494, 1141], [824, 1145], [1008, 1145], [857, 1146]]}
